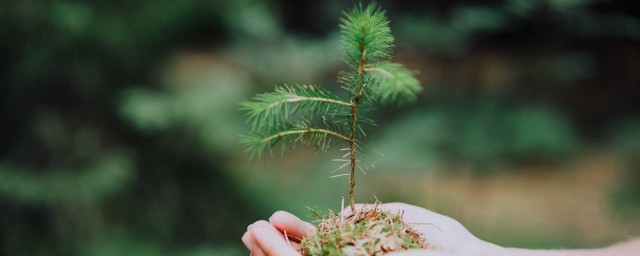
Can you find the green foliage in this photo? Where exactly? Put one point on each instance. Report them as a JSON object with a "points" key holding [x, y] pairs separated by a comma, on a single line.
{"points": [[271, 117], [376, 231], [272, 109], [393, 82], [625, 139], [366, 37], [98, 78], [468, 22], [482, 133], [365, 29], [190, 107], [287, 113], [111, 174], [304, 132]]}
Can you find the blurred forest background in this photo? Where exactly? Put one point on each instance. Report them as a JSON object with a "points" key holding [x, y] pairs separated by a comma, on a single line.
{"points": [[119, 121]]}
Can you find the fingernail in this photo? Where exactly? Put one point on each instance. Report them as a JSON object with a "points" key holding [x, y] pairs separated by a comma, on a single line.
{"points": [[247, 241]]}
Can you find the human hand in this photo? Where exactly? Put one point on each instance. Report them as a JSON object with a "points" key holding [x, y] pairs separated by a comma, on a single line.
{"points": [[280, 236], [445, 235], [448, 237]]}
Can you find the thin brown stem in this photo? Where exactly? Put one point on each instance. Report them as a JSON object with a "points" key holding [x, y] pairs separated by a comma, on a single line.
{"points": [[354, 120]]}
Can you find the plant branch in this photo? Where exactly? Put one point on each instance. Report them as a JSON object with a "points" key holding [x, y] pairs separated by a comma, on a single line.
{"points": [[381, 70], [305, 99], [366, 43], [392, 82], [354, 125], [303, 131]]}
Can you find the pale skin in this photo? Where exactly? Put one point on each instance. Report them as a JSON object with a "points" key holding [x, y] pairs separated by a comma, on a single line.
{"points": [[447, 237]]}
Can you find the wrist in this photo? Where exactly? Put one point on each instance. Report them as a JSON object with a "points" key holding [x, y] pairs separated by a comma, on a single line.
{"points": [[504, 251], [483, 248]]}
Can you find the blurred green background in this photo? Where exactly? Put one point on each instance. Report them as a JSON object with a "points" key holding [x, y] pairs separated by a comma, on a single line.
{"points": [[119, 121]]}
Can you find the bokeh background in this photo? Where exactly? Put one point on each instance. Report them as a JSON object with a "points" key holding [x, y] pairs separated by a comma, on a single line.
{"points": [[119, 121]]}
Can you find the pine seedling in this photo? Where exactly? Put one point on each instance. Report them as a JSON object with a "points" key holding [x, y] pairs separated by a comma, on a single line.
{"points": [[309, 114]]}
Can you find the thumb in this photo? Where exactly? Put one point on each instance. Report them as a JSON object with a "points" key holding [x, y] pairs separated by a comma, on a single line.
{"points": [[426, 252]]}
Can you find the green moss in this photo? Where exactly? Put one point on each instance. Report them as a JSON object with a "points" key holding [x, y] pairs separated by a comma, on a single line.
{"points": [[368, 232]]}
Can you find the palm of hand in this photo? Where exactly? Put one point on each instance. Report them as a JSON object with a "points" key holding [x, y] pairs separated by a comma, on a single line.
{"points": [[445, 235]]}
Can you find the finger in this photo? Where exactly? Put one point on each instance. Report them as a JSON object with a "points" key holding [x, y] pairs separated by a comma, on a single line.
{"points": [[255, 250], [268, 239], [293, 226], [246, 240]]}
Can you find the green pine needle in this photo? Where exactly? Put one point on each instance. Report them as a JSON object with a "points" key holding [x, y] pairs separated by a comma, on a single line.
{"points": [[322, 136], [292, 115], [366, 29], [392, 82], [286, 114], [272, 109], [314, 116]]}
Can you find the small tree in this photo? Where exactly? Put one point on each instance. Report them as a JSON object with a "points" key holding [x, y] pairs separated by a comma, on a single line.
{"points": [[309, 114]]}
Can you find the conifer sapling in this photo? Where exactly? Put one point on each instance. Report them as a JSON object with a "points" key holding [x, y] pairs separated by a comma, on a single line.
{"points": [[309, 114]]}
